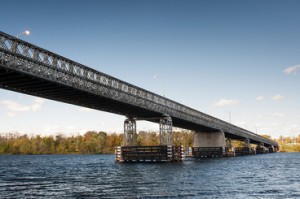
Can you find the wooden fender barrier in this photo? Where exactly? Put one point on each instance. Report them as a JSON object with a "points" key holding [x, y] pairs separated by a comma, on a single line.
{"points": [[149, 153]]}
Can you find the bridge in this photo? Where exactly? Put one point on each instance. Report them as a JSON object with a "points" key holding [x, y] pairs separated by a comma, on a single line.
{"points": [[29, 69]]}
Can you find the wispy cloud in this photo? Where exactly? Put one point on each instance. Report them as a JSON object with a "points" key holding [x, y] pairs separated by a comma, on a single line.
{"points": [[277, 97], [226, 102], [13, 106], [274, 114], [260, 98], [292, 70]]}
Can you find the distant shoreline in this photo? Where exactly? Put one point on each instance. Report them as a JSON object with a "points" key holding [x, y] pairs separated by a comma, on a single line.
{"points": [[92, 143]]}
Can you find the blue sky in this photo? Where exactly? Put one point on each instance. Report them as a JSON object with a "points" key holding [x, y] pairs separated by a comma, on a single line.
{"points": [[214, 56]]}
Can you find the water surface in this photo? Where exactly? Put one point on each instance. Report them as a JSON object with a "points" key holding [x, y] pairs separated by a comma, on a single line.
{"points": [[99, 176]]}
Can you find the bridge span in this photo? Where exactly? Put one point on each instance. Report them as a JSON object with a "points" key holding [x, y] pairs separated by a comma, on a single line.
{"points": [[32, 70]]}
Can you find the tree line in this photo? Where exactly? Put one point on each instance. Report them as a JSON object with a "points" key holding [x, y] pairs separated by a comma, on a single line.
{"points": [[286, 144], [289, 144], [91, 142]]}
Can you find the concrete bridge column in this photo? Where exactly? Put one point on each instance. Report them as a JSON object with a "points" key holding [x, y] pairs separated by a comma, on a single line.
{"points": [[261, 149], [261, 145], [209, 144], [245, 149], [165, 131], [230, 150], [247, 143], [130, 136], [228, 143], [271, 149], [209, 139]]}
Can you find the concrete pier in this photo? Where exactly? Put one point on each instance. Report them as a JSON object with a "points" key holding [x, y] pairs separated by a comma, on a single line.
{"points": [[261, 149], [209, 144], [209, 139]]}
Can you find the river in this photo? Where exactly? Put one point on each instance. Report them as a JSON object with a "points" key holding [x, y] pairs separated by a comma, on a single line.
{"points": [[99, 176]]}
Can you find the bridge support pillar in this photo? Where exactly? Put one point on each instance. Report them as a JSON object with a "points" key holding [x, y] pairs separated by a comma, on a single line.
{"points": [[247, 143], [228, 142], [130, 152], [272, 149], [260, 149], [230, 150], [261, 145], [209, 139], [209, 144], [165, 131], [130, 136], [246, 149]]}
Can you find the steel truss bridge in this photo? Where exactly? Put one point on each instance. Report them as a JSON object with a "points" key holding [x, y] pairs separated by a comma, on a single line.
{"points": [[29, 69]]}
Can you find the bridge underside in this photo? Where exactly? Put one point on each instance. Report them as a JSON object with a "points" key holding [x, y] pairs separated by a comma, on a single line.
{"points": [[28, 84]]}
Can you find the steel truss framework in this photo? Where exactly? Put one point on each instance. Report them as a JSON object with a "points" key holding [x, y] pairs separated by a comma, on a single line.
{"points": [[130, 136], [74, 80], [165, 131]]}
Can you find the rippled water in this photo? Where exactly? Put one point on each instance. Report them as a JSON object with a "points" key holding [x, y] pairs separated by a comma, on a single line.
{"points": [[98, 176]]}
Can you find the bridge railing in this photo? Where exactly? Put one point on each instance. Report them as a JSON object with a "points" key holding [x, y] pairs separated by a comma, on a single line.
{"points": [[53, 66]]}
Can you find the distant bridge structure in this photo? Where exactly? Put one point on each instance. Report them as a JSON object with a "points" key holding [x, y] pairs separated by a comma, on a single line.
{"points": [[29, 69]]}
